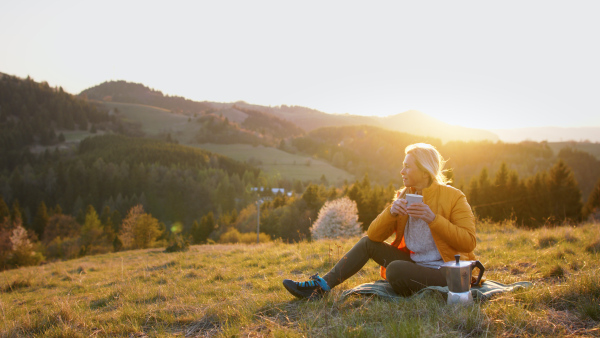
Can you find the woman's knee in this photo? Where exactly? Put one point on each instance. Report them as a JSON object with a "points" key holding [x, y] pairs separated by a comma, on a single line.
{"points": [[397, 274], [364, 240], [396, 270]]}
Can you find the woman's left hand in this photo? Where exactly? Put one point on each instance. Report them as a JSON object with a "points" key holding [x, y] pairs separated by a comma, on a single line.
{"points": [[421, 211]]}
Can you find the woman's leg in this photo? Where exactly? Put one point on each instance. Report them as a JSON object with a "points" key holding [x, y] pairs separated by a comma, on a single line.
{"points": [[407, 277], [382, 253]]}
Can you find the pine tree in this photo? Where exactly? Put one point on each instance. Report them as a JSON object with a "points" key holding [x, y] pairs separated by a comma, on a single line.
{"points": [[91, 231], [501, 196], [57, 210], [473, 195], [16, 213], [565, 196], [538, 209], [41, 219], [592, 207], [207, 226], [196, 233], [4, 211]]}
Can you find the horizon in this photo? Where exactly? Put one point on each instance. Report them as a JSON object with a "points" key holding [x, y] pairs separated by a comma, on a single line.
{"points": [[461, 65]]}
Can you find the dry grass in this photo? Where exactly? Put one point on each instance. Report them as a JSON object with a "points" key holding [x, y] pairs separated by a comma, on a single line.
{"points": [[235, 290]]}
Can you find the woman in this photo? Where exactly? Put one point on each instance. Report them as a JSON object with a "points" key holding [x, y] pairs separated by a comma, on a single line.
{"points": [[427, 234]]}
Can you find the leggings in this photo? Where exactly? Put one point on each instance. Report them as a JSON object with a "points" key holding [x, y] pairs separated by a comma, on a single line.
{"points": [[403, 274]]}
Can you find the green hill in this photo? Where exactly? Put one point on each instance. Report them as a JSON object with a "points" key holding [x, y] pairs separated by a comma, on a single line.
{"points": [[34, 115], [235, 290], [277, 162], [153, 120]]}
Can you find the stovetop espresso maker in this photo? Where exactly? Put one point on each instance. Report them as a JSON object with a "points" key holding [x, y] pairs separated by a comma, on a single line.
{"points": [[458, 277]]}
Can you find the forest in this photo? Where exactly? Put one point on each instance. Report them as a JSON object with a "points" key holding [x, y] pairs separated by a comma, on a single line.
{"points": [[119, 190]]}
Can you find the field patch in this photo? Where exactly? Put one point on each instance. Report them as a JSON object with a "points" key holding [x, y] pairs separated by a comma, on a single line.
{"points": [[278, 162], [154, 120]]}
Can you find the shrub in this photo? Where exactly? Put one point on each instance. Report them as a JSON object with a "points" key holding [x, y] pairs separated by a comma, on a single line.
{"points": [[22, 253], [139, 230], [59, 225], [231, 236], [146, 231], [178, 244], [250, 237], [234, 236], [66, 248], [337, 218]]}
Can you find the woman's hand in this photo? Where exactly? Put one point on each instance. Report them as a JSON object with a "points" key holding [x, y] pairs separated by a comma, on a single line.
{"points": [[398, 207], [421, 211]]}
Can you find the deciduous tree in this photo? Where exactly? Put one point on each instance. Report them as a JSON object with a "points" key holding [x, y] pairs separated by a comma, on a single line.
{"points": [[337, 218]]}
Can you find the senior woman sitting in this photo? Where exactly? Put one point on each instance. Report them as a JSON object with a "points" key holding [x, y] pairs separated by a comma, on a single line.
{"points": [[427, 234]]}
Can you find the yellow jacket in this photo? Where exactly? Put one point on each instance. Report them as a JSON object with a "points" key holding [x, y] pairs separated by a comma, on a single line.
{"points": [[453, 229]]}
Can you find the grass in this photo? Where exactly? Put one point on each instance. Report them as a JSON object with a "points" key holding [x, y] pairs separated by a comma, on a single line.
{"points": [[154, 120], [277, 162], [235, 290]]}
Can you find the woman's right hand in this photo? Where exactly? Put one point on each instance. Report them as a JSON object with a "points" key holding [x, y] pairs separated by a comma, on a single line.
{"points": [[398, 207]]}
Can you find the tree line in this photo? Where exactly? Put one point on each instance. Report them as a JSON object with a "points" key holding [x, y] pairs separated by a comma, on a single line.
{"points": [[34, 113], [379, 152]]}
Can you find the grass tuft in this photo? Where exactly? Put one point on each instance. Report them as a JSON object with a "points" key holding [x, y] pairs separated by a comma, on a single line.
{"points": [[593, 247], [547, 241], [16, 285], [557, 271]]}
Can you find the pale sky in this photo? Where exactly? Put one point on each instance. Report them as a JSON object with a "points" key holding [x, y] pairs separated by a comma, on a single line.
{"points": [[478, 64]]}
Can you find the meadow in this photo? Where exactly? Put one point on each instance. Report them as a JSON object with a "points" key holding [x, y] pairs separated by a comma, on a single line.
{"points": [[277, 162], [235, 290], [154, 120]]}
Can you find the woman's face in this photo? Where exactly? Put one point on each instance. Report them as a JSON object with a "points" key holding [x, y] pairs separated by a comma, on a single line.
{"points": [[412, 176]]}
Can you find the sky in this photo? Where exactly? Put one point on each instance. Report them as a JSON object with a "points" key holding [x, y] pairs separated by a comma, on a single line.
{"points": [[479, 64]]}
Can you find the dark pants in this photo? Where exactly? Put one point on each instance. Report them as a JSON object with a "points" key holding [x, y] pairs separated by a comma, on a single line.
{"points": [[402, 273]]}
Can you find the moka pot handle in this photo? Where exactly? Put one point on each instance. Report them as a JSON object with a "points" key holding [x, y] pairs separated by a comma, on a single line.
{"points": [[478, 264]]}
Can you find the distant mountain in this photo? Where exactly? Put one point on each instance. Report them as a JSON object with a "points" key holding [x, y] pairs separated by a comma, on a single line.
{"points": [[550, 134], [413, 122], [418, 123]]}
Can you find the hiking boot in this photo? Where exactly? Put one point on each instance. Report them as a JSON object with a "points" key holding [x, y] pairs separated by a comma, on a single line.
{"points": [[314, 288]]}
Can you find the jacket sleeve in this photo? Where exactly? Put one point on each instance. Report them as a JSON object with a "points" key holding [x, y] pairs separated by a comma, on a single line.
{"points": [[383, 226], [459, 230]]}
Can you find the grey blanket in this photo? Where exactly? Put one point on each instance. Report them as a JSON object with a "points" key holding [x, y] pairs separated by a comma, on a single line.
{"points": [[484, 292]]}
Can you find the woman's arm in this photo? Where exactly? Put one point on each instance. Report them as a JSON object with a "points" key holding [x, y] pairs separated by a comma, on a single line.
{"points": [[383, 226], [459, 230]]}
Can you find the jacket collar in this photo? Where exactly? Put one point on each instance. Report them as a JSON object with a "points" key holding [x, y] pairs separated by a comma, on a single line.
{"points": [[427, 191]]}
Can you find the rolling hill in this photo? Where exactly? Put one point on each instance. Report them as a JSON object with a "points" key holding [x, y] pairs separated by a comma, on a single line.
{"points": [[307, 119], [154, 121]]}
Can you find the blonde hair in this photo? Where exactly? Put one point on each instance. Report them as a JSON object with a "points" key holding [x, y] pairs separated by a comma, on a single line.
{"points": [[429, 160]]}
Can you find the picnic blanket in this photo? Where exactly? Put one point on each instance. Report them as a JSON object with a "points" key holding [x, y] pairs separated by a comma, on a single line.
{"points": [[484, 292]]}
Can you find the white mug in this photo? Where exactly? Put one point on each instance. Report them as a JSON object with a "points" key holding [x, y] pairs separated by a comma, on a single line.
{"points": [[412, 198]]}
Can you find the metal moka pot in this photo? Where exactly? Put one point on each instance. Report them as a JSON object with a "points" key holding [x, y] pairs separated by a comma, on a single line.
{"points": [[458, 278]]}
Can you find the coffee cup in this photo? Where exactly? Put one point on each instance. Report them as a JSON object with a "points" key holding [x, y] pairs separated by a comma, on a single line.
{"points": [[413, 198]]}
